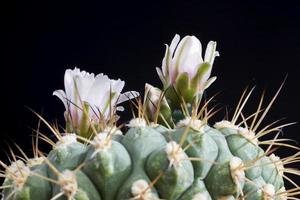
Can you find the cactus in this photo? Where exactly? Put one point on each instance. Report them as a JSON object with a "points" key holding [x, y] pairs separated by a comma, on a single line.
{"points": [[169, 150]]}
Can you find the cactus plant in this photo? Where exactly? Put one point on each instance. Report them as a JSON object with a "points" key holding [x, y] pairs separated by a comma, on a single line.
{"points": [[169, 150]]}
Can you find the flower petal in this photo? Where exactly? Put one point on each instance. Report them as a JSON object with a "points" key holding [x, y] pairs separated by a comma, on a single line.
{"points": [[127, 96], [165, 64], [174, 43], [188, 55], [211, 52], [84, 81], [167, 67], [62, 96], [210, 81], [202, 75], [120, 108], [183, 87], [117, 86], [77, 85], [98, 94], [162, 77]]}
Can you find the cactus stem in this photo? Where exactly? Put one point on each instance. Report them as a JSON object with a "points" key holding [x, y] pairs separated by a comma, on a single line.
{"points": [[237, 169], [83, 139], [248, 134], [199, 196], [175, 154], [137, 122], [245, 132], [51, 166], [44, 177], [18, 172], [140, 189], [112, 130], [101, 142], [68, 183], [201, 159], [268, 192], [184, 136], [252, 183], [225, 124], [225, 198], [35, 161], [66, 140], [66, 180], [193, 123]]}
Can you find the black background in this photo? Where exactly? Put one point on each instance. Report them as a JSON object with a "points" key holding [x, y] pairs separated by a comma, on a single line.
{"points": [[259, 44]]}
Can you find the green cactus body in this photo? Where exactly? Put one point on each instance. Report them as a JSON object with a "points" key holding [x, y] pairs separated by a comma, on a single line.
{"points": [[221, 173], [146, 165], [33, 187], [176, 178], [247, 151], [199, 145], [198, 189], [253, 189], [108, 168], [140, 142], [85, 188], [271, 174], [224, 153], [67, 154]]}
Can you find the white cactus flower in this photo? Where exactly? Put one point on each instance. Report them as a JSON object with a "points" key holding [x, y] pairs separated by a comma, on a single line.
{"points": [[98, 94], [185, 58]]}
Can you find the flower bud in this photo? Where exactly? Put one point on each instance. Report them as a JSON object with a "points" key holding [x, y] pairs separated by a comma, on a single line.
{"points": [[185, 71]]}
